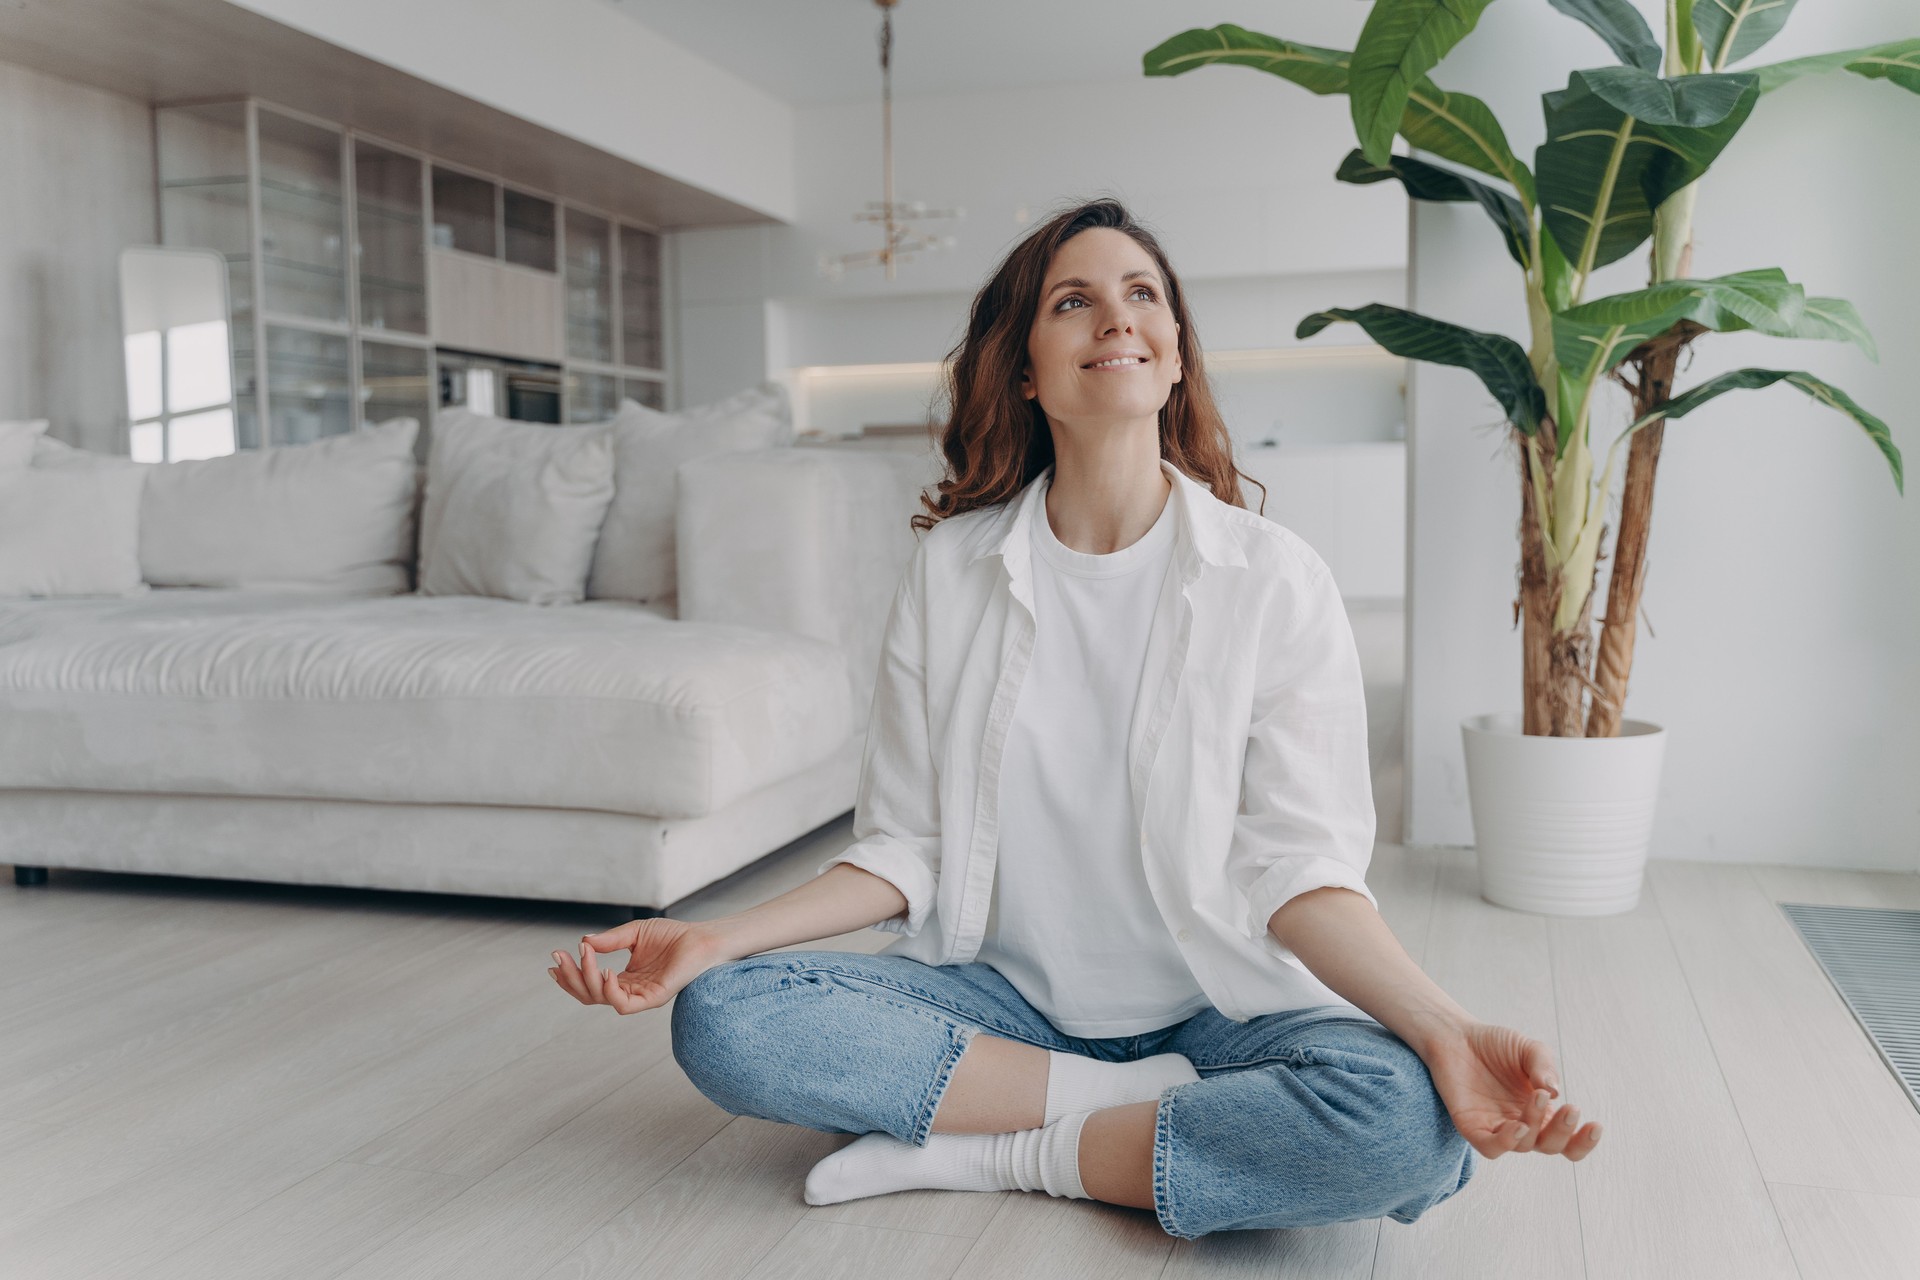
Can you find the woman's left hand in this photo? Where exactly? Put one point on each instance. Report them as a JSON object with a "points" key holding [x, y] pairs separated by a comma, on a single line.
{"points": [[1499, 1087]]}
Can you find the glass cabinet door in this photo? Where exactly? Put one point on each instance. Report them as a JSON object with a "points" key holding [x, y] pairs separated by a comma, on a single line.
{"points": [[391, 252], [591, 397], [202, 157], [302, 219], [531, 230], [650, 392], [464, 216], [640, 307], [397, 382], [307, 380], [589, 308]]}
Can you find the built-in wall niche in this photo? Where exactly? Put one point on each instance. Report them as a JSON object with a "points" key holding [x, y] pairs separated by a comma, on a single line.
{"points": [[1273, 398], [352, 261]]}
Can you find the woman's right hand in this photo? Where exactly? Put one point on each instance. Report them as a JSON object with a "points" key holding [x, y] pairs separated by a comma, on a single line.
{"points": [[666, 955]]}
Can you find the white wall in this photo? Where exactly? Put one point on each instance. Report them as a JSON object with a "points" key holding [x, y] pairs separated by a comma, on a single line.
{"points": [[79, 188], [1783, 565], [582, 68], [1231, 167]]}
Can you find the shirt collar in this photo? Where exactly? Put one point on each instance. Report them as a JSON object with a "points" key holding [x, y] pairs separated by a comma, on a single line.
{"points": [[1203, 534]]}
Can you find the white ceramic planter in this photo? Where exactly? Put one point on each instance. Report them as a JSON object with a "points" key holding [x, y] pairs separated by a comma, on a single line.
{"points": [[1561, 825]]}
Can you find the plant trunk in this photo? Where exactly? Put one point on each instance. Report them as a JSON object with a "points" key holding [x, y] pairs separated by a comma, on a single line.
{"points": [[1572, 653], [1537, 599], [1654, 360]]}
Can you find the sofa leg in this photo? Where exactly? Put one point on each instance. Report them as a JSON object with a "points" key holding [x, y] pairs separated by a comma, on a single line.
{"points": [[644, 913], [29, 875]]}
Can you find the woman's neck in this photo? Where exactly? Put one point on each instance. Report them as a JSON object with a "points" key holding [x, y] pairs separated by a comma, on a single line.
{"points": [[1106, 492]]}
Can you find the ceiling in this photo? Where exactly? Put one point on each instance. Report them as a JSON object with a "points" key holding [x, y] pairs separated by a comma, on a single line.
{"points": [[812, 52]]}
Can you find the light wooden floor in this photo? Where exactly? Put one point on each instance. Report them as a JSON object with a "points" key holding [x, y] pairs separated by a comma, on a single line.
{"points": [[204, 1080]]}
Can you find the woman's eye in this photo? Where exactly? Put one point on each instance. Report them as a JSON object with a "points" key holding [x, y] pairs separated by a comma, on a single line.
{"points": [[1074, 297]]}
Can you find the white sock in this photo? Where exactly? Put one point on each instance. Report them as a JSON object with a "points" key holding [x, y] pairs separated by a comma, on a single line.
{"points": [[1045, 1159], [1077, 1083]]}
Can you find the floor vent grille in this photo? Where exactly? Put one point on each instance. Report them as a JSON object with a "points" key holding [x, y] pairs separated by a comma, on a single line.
{"points": [[1872, 957]]}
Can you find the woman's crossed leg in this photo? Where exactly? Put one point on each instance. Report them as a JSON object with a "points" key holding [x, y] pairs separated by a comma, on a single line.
{"points": [[1296, 1119]]}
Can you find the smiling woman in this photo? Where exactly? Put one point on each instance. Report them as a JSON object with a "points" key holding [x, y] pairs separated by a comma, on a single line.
{"points": [[1105, 292], [1116, 801]]}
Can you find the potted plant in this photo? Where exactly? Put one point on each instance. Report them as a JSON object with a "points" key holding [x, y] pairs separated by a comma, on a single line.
{"points": [[1563, 793]]}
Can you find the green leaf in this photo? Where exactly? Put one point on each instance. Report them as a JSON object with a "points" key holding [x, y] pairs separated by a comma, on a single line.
{"points": [[1826, 393], [1461, 128], [1595, 336], [1619, 142], [1621, 26], [1401, 41], [1322, 71], [1897, 61], [1499, 362], [1836, 319], [1732, 29], [1453, 126], [1425, 181]]}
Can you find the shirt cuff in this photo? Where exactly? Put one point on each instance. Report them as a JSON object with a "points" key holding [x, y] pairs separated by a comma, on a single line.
{"points": [[901, 867], [1286, 880]]}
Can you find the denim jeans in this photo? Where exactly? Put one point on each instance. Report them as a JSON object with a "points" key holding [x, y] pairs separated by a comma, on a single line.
{"points": [[1302, 1118]]}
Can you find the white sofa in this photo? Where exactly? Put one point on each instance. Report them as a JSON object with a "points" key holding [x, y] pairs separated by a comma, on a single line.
{"points": [[605, 751]]}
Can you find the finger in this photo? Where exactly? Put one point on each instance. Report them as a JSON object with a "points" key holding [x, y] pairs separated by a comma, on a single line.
{"points": [[1539, 1109], [618, 938], [1525, 1136], [625, 999], [1554, 1137], [1541, 1072], [1583, 1143], [570, 977], [1507, 1136], [590, 972]]}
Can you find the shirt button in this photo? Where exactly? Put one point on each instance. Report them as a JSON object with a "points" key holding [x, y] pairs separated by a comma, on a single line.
{"points": [[1186, 935]]}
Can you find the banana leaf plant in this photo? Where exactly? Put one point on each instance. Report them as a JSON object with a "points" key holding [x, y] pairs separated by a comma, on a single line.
{"points": [[1626, 147]]}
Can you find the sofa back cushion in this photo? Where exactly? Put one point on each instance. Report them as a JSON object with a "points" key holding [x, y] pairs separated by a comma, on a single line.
{"points": [[512, 508], [70, 532], [634, 559], [17, 440], [334, 516]]}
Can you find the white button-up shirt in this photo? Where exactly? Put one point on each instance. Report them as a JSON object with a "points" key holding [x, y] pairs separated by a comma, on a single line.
{"points": [[1252, 686]]}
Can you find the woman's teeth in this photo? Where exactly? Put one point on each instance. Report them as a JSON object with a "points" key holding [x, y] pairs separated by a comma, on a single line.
{"points": [[1114, 364]]}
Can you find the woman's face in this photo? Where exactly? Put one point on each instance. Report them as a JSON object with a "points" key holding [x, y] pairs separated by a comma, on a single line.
{"points": [[1102, 297]]}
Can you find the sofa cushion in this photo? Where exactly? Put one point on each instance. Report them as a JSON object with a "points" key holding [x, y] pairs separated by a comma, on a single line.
{"points": [[333, 516], [70, 533], [512, 508], [635, 557], [17, 440], [436, 700]]}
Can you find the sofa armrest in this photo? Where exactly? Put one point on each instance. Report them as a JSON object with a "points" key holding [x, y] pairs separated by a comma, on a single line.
{"points": [[811, 539]]}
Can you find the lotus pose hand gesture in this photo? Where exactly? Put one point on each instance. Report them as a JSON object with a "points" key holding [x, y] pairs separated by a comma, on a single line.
{"points": [[1499, 1087]]}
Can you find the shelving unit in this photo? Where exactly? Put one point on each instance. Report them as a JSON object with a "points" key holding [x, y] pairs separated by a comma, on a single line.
{"points": [[328, 235]]}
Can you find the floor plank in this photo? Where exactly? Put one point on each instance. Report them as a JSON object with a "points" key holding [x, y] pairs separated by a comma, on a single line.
{"points": [[1850, 1235], [1040, 1237], [1519, 1218], [816, 1250], [314, 1229], [537, 1207], [716, 1214], [1673, 1189], [1818, 1102]]}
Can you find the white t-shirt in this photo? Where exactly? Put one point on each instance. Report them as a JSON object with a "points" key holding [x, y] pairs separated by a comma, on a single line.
{"points": [[1073, 925]]}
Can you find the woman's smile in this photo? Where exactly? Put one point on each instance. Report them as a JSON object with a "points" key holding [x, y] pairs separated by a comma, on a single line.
{"points": [[1119, 365]]}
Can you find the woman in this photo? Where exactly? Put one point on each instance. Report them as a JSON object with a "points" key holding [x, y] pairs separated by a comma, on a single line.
{"points": [[1116, 802]]}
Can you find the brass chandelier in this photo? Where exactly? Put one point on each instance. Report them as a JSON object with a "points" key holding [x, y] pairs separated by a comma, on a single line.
{"points": [[901, 241]]}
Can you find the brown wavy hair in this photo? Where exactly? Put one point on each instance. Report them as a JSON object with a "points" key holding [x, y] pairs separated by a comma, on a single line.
{"points": [[997, 440]]}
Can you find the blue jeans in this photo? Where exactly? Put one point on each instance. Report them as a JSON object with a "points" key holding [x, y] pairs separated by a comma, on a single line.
{"points": [[1302, 1118]]}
